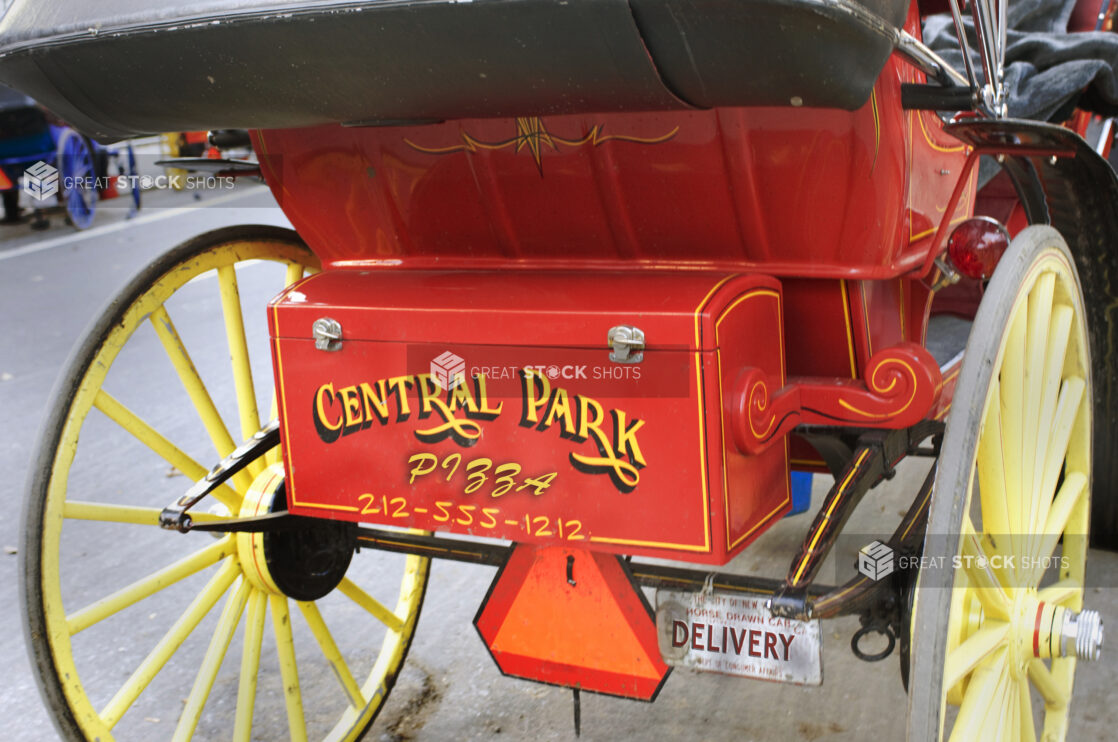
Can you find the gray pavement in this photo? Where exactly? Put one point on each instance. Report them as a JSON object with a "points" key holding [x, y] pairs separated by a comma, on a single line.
{"points": [[52, 283]]}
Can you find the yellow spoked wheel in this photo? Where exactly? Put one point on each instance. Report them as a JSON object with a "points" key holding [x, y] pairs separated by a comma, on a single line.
{"points": [[997, 622], [142, 633]]}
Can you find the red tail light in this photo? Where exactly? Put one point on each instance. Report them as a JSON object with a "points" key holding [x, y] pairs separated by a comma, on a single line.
{"points": [[976, 246]]}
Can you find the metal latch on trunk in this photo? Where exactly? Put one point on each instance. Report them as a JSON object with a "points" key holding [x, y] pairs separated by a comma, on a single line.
{"points": [[627, 343], [327, 334]]}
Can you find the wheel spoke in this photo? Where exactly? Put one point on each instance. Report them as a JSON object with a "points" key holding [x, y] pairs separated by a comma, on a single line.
{"points": [[1050, 690], [1063, 675], [968, 655], [211, 663], [1012, 411], [981, 691], [1053, 364], [1067, 409], [980, 571], [149, 585], [166, 450], [289, 671], [79, 510], [250, 665], [992, 476], [274, 455], [1072, 491], [238, 354], [1060, 592], [1025, 712], [1038, 320], [371, 604], [170, 643], [1009, 726], [999, 713], [294, 273], [332, 654], [199, 396]]}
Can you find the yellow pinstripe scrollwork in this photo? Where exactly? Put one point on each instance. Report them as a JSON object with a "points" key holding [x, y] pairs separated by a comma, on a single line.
{"points": [[533, 137]]}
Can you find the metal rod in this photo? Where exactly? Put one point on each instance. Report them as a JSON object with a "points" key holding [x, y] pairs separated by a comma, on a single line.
{"points": [[861, 474], [660, 576], [1003, 21], [578, 714], [989, 44], [645, 575], [174, 516], [855, 595], [876, 454], [921, 55], [435, 547], [961, 34], [979, 10]]}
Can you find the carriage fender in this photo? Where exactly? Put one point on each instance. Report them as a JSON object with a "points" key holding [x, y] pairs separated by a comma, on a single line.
{"points": [[1077, 194]]}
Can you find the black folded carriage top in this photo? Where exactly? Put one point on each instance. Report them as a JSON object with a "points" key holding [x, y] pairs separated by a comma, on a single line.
{"points": [[115, 68]]}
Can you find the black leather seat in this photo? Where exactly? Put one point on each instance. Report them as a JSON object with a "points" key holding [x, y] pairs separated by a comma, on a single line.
{"points": [[123, 67]]}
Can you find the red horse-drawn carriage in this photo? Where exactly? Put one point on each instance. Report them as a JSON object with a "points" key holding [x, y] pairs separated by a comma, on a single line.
{"points": [[577, 286]]}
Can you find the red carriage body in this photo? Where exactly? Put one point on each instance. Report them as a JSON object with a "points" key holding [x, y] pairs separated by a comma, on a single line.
{"points": [[774, 261], [520, 242]]}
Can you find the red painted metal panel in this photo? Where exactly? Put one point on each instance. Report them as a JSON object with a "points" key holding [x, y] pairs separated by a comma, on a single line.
{"points": [[716, 188], [628, 458], [789, 192], [845, 205]]}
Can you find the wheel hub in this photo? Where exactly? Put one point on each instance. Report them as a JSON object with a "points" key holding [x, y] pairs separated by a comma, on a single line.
{"points": [[1022, 611], [1060, 632], [303, 563]]}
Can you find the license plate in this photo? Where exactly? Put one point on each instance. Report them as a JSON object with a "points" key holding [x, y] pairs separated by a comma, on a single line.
{"points": [[733, 634]]}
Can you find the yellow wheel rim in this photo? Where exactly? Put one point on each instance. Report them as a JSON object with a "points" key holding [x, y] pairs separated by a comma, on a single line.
{"points": [[83, 521], [1020, 550]]}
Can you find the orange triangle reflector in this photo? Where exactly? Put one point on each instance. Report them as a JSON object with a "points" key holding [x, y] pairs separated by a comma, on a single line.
{"points": [[574, 618]]}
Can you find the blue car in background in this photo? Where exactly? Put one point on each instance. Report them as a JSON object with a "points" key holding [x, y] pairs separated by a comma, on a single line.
{"points": [[46, 158]]}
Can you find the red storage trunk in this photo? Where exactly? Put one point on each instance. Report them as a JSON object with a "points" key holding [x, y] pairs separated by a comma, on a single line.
{"points": [[493, 404]]}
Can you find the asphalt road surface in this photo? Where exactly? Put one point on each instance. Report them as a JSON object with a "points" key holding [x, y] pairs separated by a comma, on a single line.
{"points": [[53, 283]]}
